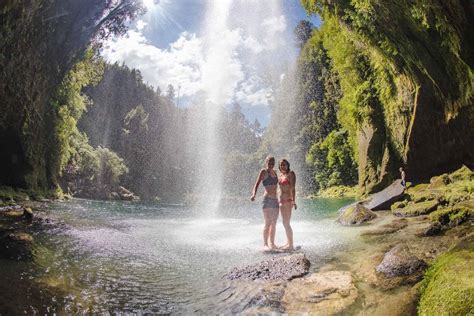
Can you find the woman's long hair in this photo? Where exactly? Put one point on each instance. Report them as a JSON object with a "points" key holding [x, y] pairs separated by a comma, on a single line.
{"points": [[267, 160], [287, 164]]}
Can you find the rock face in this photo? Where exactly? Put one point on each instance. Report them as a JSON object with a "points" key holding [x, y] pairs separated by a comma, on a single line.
{"points": [[399, 261], [325, 293], [356, 215], [275, 269]]}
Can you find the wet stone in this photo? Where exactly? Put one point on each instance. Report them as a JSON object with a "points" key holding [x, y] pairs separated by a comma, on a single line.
{"points": [[356, 215], [277, 268], [399, 261], [324, 293]]}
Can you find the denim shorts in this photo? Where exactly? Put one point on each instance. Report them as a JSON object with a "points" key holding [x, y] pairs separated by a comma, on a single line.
{"points": [[269, 202]]}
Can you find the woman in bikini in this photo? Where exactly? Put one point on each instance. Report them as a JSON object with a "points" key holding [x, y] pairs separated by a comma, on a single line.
{"points": [[287, 183], [269, 179]]}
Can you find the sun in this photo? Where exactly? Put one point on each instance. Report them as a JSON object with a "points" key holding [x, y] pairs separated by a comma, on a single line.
{"points": [[149, 4]]}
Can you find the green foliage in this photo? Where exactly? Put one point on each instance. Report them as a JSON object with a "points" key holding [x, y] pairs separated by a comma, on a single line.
{"points": [[398, 63], [333, 161], [40, 46], [70, 103], [111, 167], [339, 191], [98, 171]]}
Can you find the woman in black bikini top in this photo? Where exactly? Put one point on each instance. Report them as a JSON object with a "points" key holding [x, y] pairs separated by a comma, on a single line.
{"points": [[269, 179]]}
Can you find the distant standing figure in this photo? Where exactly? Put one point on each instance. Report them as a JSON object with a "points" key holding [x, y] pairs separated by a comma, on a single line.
{"points": [[269, 179], [287, 183], [402, 176]]}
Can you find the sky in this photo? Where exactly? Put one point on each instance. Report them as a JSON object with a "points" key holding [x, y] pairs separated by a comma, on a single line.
{"points": [[224, 51]]}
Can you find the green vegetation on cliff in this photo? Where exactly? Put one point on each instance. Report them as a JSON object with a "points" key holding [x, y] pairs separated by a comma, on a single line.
{"points": [[405, 71], [36, 55]]}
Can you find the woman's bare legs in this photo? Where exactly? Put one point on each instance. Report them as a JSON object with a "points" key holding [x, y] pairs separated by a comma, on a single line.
{"points": [[270, 215], [285, 210]]}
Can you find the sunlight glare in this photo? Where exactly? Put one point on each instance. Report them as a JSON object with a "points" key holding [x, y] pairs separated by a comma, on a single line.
{"points": [[149, 4]]}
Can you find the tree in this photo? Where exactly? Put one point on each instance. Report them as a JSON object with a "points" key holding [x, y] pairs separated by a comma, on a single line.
{"points": [[170, 92], [303, 32]]}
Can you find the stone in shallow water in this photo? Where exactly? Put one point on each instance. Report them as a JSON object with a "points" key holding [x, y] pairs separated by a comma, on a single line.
{"points": [[356, 215], [399, 261], [324, 293], [276, 268], [16, 245], [386, 229]]}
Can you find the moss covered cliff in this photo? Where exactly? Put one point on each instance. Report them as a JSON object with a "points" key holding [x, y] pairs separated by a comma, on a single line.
{"points": [[405, 69], [40, 42]]}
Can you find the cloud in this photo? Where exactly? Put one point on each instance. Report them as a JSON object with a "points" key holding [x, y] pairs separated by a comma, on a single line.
{"points": [[141, 25], [216, 64], [253, 92], [272, 27]]}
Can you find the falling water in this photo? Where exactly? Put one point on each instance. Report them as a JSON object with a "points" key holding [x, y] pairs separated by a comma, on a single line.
{"points": [[235, 41], [217, 56]]}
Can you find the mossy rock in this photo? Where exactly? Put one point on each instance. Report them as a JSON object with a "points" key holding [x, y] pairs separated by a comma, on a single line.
{"points": [[356, 215], [439, 181], [398, 205], [426, 195], [448, 286], [463, 173], [468, 203], [415, 209], [453, 215], [417, 188]]}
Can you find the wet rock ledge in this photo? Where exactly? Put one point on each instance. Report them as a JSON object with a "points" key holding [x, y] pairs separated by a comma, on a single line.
{"points": [[275, 269]]}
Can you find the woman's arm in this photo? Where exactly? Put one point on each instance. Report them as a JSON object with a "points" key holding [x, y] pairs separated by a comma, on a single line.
{"points": [[293, 187], [257, 183]]}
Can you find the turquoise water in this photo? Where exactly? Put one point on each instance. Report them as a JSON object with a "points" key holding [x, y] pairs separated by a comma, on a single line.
{"points": [[110, 257]]}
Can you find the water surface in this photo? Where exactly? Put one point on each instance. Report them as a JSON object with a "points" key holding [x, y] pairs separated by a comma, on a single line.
{"points": [[125, 257]]}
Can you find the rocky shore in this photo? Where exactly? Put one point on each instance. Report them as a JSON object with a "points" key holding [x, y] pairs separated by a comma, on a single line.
{"points": [[416, 258]]}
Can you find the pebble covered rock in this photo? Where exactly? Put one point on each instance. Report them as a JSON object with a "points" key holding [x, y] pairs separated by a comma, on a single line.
{"points": [[399, 261], [274, 269]]}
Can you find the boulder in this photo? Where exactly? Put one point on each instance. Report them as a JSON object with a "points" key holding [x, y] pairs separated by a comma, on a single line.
{"points": [[277, 268], [462, 174], [381, 200], [439, 181], [453, 215], [399, 261], [127, 195], [324, 293], [433, 230], [16, 245], [384, 199], [356, 215]]}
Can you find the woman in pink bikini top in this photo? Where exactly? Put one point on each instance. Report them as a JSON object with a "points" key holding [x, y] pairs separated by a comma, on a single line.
{"points": [[287, 183]]}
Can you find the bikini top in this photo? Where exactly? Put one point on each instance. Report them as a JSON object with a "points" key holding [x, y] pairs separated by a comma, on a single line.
{"points": [[284, 181], [269, 180]]}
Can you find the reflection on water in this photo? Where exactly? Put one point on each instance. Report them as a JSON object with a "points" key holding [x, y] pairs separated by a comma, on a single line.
{"points": [[114, 256]]}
